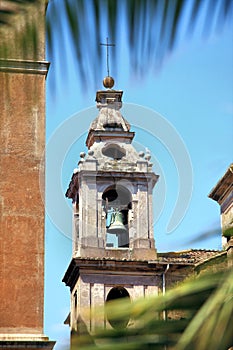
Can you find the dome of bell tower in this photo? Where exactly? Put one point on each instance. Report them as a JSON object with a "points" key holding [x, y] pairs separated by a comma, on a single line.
{"points": [[109, 119]]}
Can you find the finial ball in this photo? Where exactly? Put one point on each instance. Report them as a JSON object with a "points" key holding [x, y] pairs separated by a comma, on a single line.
{"points": [[108, 82]]}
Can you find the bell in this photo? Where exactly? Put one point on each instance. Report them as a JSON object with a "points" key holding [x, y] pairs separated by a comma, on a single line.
{"points": [[116, 223]]}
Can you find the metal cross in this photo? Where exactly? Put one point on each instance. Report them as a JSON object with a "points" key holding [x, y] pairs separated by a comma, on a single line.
{"points": [[107, 45]]}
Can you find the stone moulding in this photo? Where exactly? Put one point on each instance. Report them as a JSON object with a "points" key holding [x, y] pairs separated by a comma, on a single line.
{"points": [[26, 344], [24, 66], [116, 175], [25, 341], [109, 265]]}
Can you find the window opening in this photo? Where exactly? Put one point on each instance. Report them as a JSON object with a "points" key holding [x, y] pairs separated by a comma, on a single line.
{"points": [[116, 203], [113, 126], [114, 294], [114, 151]]}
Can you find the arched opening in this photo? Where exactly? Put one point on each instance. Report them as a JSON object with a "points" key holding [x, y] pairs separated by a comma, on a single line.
{"points": [[113, 126], [114, 294], [117, 201], [113, 151]]}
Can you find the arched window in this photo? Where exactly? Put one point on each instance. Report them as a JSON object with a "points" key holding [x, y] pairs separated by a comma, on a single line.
{"points": [[116, 202], [117, 293]]}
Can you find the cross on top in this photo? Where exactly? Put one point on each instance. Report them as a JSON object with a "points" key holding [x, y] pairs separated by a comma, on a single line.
{"points": [[107, 46]]}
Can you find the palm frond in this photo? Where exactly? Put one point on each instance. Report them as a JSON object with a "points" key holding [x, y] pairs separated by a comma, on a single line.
{"points": [[152, 29], [22, 29]]}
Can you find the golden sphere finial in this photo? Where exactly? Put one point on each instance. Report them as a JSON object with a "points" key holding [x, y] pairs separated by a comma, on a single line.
{"points": [[108, 82]]}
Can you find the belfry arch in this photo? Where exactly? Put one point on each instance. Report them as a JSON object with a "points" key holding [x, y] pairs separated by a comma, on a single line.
{"points": [[116, 202]]}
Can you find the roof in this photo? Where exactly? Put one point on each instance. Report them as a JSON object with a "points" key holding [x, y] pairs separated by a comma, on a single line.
{"points": [[176, 260], [193, 256], [224, 186]]}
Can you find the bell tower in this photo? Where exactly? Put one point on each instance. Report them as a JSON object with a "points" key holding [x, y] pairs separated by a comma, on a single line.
{"points": [[111, 192]]}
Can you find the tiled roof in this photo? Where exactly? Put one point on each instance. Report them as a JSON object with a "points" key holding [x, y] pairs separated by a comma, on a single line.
{"points": [[186, 257], [192, 256]]}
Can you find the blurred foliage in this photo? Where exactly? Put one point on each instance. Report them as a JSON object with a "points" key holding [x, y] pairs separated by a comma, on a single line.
{"points": [[228, 230], [151, 29], [204, 307], [22, 29], [205, 235]]}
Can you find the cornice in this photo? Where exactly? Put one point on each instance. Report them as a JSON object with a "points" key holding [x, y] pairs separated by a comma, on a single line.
{"points": [[117, 266], [24, 66], [224, 186]]}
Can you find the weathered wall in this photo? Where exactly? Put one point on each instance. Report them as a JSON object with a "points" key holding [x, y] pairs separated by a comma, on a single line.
{"points": [[21, 202], [91, 291]]}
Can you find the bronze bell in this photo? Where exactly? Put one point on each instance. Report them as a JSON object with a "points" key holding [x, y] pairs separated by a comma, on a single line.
{"points": [[116, 223]]}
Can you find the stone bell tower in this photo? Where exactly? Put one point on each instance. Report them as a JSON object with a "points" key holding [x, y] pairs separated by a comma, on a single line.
{"points": [[111, 192]]}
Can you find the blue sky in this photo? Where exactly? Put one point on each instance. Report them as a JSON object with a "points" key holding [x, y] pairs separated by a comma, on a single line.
{"points": [[192, 93]]}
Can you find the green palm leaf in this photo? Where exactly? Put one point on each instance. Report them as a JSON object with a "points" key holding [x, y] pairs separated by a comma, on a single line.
{"points": [[151, 28], [204, 309], [211, 328]]}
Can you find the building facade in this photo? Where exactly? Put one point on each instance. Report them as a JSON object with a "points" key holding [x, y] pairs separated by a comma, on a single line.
{"points": [[222, 193]]}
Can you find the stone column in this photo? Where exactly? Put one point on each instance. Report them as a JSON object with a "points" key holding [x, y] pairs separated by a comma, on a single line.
{"points": [[22, 146]]}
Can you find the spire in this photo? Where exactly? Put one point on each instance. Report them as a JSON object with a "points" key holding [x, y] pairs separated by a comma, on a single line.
{"points": [[108, 81], [107, 51], [109, 124]]}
